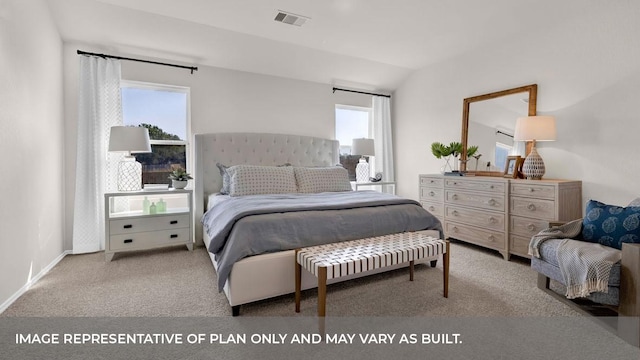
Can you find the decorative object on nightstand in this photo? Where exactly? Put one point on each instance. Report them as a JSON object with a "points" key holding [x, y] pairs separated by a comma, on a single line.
{"points": [[179, 178], [130, 139], [363, 147], [535, 128]]}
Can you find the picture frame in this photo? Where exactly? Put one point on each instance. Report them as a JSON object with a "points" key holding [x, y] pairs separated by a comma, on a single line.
{"points": [[513, 166]]}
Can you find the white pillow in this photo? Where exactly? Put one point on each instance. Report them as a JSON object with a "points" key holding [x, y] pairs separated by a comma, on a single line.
{"points": [[322, 179], [634, 202], [257, 180]]}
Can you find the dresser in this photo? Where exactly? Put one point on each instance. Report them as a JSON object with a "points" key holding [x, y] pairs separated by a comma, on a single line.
{"points": [[499, 213]]}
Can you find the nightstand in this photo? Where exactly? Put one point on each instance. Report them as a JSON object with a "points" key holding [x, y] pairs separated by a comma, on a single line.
{"points": [[381, 186], [130, 226]]}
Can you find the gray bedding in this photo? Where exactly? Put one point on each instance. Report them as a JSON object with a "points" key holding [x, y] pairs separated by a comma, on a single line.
{"points": [[251, 225]]}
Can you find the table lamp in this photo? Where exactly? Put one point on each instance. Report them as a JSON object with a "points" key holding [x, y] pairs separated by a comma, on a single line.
{"points": [[130, 139], [363, 147], [534, 128]]}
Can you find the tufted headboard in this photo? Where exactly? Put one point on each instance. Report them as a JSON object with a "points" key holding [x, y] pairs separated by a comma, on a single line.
{"points": [[253, 149]]}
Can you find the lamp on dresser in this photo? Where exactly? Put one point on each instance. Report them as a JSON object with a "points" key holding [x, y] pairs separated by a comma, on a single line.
{"points": [[363, 147], [534, 128], [130, 139]]}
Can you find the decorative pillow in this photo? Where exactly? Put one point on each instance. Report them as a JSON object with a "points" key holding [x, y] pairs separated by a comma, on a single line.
{"points": [[257, 180], [225, 178], [322, 179], [611, 225], [635, 202]]}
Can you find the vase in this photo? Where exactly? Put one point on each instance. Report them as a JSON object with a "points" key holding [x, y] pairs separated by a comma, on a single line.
{"points": [[447, 166], [179, 184]]}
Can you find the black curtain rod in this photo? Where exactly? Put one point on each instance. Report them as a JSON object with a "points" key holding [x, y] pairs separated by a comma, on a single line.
{"points": [[192, 68], [360, 92], [503, 133]]}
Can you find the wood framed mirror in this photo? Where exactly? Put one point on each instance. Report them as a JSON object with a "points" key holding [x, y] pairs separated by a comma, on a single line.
{"points": [[494, 114]]}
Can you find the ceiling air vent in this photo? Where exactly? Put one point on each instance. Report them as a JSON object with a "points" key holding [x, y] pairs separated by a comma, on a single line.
{"points": [[291, 19]]}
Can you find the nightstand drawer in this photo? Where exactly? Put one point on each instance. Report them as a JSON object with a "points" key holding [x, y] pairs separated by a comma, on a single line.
{"points": [[431, 194], [431, 181], [535, 208], [151, 223], [485, 201], [527, 227], [539, 191], [150, 239], [485, 219], [435, 209]]}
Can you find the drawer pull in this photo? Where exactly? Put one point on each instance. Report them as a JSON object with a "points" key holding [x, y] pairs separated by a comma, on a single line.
{"points": [[431, 181], [173, 222], [128, 241], [491, 237], [173, 236], [454, 213], [431, 208], [455, 229], [492, 202], [454, 197], [491, 187], [128, 226], [531, 207], [531, 227], [493, 220], [431, 193], [531, 189]]}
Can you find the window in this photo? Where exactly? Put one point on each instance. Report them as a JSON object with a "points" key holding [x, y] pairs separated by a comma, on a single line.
{"points": [[164, 110], [502, 151], [352, 122]]}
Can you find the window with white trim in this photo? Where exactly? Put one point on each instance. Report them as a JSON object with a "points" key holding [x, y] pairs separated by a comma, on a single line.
{"points": [[352, 122], [164, 110]]}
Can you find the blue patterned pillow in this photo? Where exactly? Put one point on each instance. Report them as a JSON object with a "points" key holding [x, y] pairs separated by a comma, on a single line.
{"points": [[611, 225]]}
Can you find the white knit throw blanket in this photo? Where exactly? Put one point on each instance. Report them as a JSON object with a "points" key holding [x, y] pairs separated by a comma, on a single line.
{"points": [[584, 266]]}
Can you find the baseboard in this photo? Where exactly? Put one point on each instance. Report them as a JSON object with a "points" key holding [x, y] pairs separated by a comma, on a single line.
{"points": [[35, 279]]}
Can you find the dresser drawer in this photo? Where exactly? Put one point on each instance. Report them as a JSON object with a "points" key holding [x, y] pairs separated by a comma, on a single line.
{"points": [[538, 191], [431, 194], [485, 219], [527, 227], [152, 223], [535, 208], [519, 245], [150, 239], [485, 186], [436, 209], [485, 201], [431, 181], [472, 234]]}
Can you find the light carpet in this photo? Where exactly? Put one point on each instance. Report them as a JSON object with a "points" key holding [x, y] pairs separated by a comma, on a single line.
{"points": [[177, 282]]}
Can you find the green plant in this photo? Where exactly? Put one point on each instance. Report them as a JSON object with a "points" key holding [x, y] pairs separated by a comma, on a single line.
{"points": [[471, 151], [439, 150], [179, 174], [455, 148]]}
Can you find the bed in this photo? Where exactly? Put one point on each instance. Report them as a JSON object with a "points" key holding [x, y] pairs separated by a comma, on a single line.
{"points": [[248, 277]]}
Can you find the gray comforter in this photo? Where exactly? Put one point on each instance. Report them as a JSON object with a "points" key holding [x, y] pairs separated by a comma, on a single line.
{"points": [[251, 225]]}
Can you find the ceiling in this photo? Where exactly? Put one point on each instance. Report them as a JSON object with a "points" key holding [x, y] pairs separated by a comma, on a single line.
{"points": [[366, 44]]}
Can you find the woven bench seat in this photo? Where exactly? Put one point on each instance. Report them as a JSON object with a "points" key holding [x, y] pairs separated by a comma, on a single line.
{"points": [[349, 257]]}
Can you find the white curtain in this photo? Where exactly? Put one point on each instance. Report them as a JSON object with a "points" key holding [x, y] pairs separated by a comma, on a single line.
{"points": [[383, 140], [96, 168]]}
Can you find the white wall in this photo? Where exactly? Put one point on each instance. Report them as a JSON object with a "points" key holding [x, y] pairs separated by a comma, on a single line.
{"points": [[588, 73], [31, 138], [222, 100]]}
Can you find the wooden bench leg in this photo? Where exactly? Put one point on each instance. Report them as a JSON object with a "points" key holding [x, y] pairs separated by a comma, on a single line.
{"points": [[298, 268], [445, 270], [322, 291], [411, 270]]}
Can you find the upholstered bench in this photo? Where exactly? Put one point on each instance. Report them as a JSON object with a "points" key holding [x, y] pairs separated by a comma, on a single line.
{"points": [[348, 257]]}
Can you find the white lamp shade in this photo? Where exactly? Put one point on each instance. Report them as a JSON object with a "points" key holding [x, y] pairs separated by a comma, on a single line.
{"points": [[538, 128], [129, 138], [363, 147]]}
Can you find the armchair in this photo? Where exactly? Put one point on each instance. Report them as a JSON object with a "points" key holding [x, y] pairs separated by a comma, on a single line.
{"points": [[622, 296]]}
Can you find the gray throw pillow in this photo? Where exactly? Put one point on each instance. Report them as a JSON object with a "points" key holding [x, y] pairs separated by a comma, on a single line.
{"points": [[226, 179]]}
